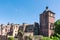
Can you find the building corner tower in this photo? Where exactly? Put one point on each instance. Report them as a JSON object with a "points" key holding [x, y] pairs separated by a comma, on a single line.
{"points": [[47, 19]]}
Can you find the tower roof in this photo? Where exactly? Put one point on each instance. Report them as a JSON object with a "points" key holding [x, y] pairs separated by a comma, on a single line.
{"points": [[47, 10], [46, 7]]}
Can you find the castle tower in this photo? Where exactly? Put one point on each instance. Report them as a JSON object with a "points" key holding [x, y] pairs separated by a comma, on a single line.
{"points": [[47, 19]]}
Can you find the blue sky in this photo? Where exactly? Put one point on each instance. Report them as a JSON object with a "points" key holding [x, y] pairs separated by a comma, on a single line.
{"points": [[19, 11]]}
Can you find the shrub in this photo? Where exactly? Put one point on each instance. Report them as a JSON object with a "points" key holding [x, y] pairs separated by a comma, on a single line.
{"points": [[11, 38], [46, 38], [55, 38]]}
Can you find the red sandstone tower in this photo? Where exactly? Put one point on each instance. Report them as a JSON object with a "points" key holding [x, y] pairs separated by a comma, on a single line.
{"points": [[47, 19]]}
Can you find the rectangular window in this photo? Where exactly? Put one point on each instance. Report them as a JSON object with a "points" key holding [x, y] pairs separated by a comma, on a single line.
{"points": [[51, 26]]}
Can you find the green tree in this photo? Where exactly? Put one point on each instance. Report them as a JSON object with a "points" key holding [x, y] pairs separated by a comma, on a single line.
{"points": [[57, 26], [57, 30]]}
